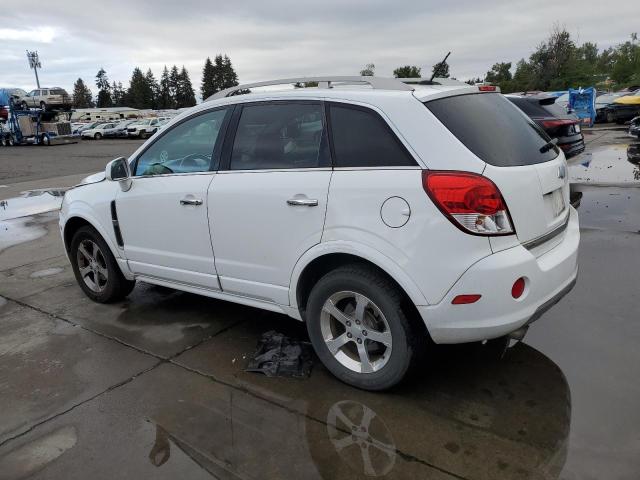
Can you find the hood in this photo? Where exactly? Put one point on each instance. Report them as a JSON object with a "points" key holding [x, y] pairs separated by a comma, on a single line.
{"points": [[628, 100], [93, 178]]}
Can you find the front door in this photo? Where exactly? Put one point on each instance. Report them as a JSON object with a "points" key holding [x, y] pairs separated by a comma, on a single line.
{"points": [[164, 217], [267, 205]]}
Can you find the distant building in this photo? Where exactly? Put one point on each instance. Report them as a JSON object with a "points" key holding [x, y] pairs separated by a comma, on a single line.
{"points": [[109, 113]]}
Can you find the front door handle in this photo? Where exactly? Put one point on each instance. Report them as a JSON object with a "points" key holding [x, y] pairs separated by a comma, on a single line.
{"points": [[305, 202], [191, 201]]}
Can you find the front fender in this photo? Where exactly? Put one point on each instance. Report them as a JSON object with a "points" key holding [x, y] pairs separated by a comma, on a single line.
{"points": [[358, 250]]}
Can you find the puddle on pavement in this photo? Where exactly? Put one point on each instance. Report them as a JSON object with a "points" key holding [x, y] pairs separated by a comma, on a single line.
{"points": [[47, 272], [473, 419], [31, 202], [610, 208], [24, 229], [605, 166]]}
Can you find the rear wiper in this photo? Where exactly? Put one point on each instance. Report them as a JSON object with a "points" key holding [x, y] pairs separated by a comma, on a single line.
{"points": [[549, 145]]}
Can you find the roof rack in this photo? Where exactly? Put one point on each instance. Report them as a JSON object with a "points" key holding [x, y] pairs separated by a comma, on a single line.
{"points": [[378, 83]]}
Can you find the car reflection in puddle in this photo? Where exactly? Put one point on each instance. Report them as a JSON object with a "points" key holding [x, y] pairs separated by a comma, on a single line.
{"points": [[474, 418]]}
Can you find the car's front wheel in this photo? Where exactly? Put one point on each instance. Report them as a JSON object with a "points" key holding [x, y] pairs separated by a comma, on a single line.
{"points": [[97, 136], [96, 269], [358, 327], [142, 135]]}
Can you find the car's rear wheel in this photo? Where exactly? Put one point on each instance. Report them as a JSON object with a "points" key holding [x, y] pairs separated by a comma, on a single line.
{"points": [[24, 106], [96, 269], [610, 117], [359, 330]]}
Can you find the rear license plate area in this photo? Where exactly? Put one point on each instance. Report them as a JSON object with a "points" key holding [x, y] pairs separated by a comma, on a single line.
{"points": [[556, 200]]}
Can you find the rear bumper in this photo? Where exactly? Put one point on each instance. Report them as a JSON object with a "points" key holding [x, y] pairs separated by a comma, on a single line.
{"points": [[548, 278]]}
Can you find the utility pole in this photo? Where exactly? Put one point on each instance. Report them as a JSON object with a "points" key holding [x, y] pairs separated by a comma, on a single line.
{"points": [[34, 62]]}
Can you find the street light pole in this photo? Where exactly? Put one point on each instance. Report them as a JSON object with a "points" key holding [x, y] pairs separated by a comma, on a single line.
{"points": [[34, 62]]}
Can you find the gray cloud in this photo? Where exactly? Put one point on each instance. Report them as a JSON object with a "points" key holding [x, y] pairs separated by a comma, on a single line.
{"points": [[281, 38]]}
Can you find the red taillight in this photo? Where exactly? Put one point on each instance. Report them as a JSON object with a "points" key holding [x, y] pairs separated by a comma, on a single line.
{"points": [[557, 123], [472, 202], [518, 288], [487, 88], [465, 299]]}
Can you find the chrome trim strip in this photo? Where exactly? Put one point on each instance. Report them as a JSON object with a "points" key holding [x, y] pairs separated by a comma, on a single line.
{"points": [[536, 242]]}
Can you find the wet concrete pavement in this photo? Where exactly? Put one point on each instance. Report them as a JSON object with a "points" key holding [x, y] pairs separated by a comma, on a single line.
{"points": [[154, 387]]}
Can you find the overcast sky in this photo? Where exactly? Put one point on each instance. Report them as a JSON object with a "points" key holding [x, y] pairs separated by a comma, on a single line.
{"points": [[283, 38]]}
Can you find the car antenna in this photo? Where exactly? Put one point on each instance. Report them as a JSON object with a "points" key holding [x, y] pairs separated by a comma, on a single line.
{"points": [[435, 70]]}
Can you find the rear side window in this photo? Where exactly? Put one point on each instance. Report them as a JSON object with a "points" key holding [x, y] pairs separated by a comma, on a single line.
{"points": [[361, 138], [493, 129], [57, 91], [275, 136]]}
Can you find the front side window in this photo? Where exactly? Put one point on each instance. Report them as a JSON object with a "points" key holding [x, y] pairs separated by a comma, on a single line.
{"points": [[186, 148], [276, 136], [361, 138]]}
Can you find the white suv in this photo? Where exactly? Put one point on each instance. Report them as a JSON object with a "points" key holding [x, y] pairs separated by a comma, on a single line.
{"points": [[385, 216], [145, 128]]}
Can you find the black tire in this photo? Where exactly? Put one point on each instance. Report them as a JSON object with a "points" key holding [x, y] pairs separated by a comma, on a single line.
{"points": [[97, 136], [45, 140], [116, 286], [610, 117], [407, 338], [43, 106], [24, 106], [142, 135]]}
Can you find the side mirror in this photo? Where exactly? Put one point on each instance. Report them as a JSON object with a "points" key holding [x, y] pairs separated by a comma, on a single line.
{"points": [[118, 170]]}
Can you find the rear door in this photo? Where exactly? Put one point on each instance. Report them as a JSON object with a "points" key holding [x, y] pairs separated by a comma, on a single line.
{"points": [[267, 205], [530, 172]]}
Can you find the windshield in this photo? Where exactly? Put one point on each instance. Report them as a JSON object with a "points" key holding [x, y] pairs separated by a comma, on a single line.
{"points": [[494, 129]]}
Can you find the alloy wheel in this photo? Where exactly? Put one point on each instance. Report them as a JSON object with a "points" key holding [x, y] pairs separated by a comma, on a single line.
{"points": [[92, 266], [356, 332]]}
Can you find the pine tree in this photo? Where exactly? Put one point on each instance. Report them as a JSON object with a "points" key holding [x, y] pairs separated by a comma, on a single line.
{"points": [[185, 96], [165, 99], [153, 89], [82, 97], [117, 94], [229, 75], [440, 70], [218, 73], [174, 85], [139, 94], [104, 89], [207, 88]]}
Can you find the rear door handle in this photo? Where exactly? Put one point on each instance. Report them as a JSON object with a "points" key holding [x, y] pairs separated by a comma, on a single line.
{"points": [[305, 202], [191, 201]]}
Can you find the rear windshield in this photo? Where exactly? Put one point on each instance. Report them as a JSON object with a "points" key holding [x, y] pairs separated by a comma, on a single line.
{"points": [[535, 109], [494, 129]]}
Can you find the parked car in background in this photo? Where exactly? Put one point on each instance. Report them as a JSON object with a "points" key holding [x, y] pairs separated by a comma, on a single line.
{"points": [[634, 127], [440, 214], [144, 128], [554, 120], [603, 101], [47, 98], [120, 129], [98, 131], [78, 128], [623, 108]]}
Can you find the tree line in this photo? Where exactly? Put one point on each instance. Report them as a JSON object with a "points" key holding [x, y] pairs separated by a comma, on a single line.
{"points": [[173, 90], [559, 63]]}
